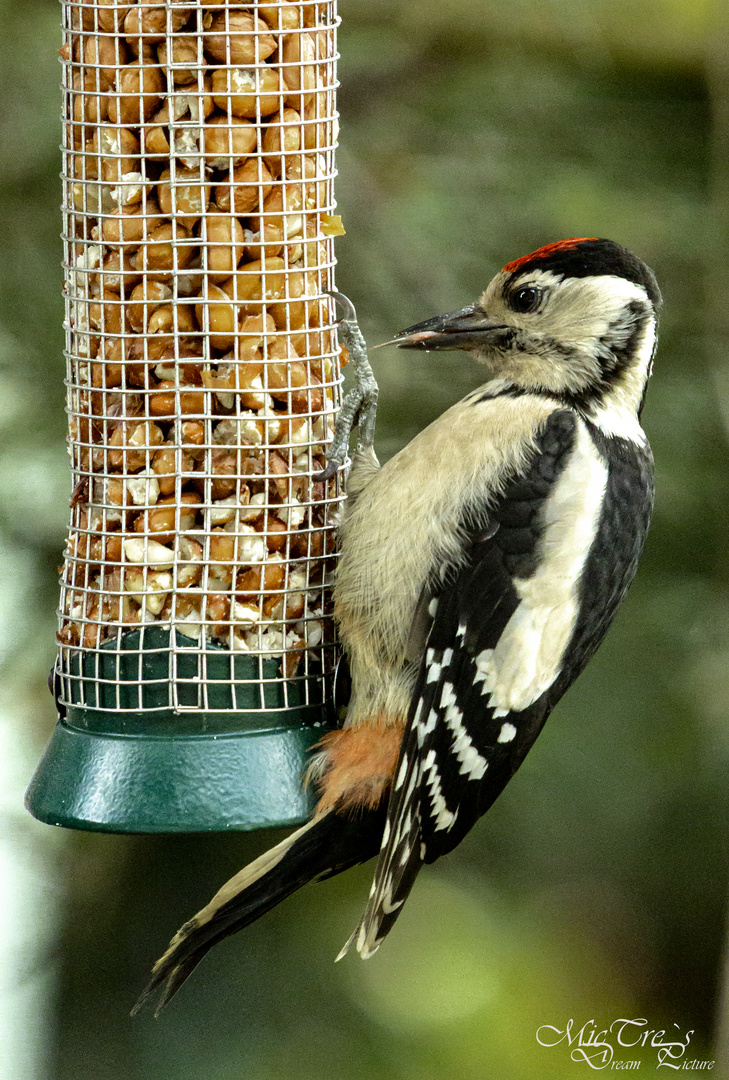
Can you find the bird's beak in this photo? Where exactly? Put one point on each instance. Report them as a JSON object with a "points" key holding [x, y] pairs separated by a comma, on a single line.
{"points": [[469, 328]]}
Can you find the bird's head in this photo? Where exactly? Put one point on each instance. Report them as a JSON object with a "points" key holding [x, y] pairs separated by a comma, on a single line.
{"points": [[576, 319]]}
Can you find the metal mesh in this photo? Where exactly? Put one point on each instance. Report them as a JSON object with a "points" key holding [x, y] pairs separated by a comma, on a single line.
{"points": [[202, 367]]}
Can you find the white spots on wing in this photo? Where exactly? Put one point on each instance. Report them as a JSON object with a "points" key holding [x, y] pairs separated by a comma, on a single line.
{"points": [[402, 772], [453, 717], [431, 722], [443, 817], [424, 729], [447, 696], [423, 851], [386, 832], [414, 776], [507, 733], [433, 607], [498, 713], [473, 765], [436, 667], [461, 631]]}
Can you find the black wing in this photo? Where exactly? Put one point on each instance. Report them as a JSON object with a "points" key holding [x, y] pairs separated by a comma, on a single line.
{"points": [[460, 748]]}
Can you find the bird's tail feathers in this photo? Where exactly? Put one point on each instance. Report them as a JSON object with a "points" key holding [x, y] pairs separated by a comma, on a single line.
{"points": [[399, 861], [322, 847]]}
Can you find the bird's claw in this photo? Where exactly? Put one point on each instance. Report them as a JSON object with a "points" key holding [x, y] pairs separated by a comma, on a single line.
{"points": [[359, 407], [330, 469], [350, 314]]}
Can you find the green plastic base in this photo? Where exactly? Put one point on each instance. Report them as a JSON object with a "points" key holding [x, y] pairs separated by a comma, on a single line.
{"points": [[146, 767], [156, 784]]}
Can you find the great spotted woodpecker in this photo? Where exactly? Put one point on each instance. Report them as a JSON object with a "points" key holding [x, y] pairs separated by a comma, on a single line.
{"points": [[480, 569]]}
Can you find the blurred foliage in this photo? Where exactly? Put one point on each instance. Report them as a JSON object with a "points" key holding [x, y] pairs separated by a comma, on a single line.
{"points": [[471, 133]]}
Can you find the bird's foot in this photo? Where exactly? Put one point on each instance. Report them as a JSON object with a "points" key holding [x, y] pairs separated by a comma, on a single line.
{"points": [[359, 408]]}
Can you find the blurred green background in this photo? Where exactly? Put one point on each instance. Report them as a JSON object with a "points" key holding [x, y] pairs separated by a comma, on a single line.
{"points": [[472, 133]]}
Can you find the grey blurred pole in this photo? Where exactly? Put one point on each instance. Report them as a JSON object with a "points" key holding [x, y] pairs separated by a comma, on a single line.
{"points": [[717, 329]]}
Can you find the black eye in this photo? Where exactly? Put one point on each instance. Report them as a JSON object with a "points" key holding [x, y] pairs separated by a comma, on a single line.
{"points": [[525, 300]]}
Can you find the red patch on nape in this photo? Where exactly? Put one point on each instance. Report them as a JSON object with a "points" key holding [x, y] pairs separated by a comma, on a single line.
{"points": [[545, 252]]}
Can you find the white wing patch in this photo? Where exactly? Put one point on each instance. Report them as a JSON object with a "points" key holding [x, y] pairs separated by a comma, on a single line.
{"points": [[528, 656]]}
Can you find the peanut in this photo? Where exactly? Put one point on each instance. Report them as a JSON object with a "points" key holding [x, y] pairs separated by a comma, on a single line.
{"points": [[298, 53], [184, 196], [256, 282], [131, 443], [165, 252], [164, 466], [219, 317], [149, 18], [119, 272], [227, 140], [246, 188], [140, 88], [172, 320], [265, 577], [146, 298], [248, 92], [164, 523], [166, 401], [110, 14], [105, 55], [267, 244], [282, 16], [126, 227], [282, 135], [239, 39], [223, 236], [182, 57]]}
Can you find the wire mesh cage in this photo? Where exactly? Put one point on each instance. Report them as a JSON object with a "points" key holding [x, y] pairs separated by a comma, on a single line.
{"points": [[202, 381]]}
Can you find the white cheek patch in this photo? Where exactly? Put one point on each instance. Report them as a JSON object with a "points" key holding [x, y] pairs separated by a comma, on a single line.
{"points": [[616, 413], [528, 656]]}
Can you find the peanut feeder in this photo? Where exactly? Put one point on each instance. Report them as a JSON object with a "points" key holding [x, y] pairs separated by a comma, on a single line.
{"points": [[195, 639]]}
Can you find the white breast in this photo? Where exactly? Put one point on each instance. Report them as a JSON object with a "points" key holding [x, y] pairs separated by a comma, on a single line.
{"points": [[405, 520]]}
